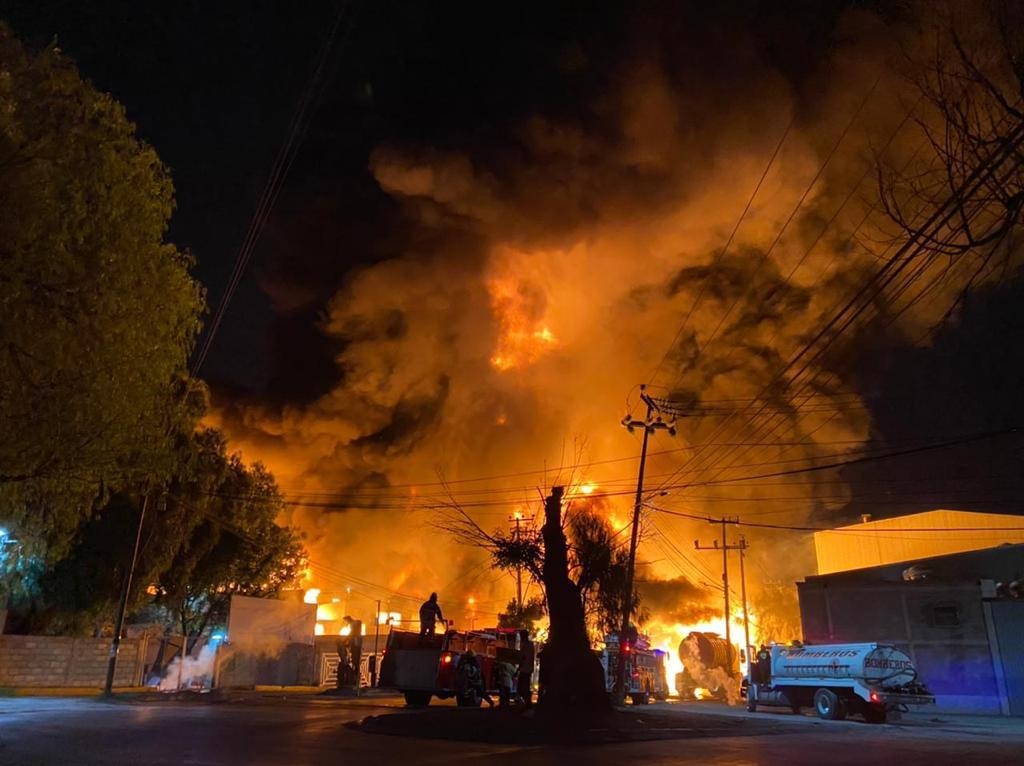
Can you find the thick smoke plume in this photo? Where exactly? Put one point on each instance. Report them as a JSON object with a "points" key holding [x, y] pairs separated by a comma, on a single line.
{"points": [[542, 279]]}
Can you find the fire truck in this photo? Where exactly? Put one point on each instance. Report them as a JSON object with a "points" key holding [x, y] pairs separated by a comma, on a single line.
{"points": [[836, 679], [422, 667], [645, 668]]}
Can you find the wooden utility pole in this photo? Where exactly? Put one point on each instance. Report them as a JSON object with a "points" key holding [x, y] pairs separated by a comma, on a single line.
{"points": [[649, 425], [122, 608], [743, 595], [516, 518], [376, 656], [725, 548]]}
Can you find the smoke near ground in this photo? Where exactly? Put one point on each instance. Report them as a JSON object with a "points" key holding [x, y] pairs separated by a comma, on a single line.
{"points": [[540, 278]]}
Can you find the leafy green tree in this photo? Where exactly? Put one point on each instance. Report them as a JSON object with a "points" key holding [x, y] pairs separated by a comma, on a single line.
{"points": [[207, 533], [99, 312], [236, 548]]}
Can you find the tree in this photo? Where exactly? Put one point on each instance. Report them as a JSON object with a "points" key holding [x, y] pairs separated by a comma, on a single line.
{"points": [[573, 557], [99, 313], [208, 532], [236, 548], [525, 615], [573, 677], [963, 191]]}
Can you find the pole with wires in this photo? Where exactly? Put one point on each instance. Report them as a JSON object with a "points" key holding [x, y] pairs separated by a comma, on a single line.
{"points": [[516, 520], [743, 595], [725, 547], [649, 425], [122, 608]]}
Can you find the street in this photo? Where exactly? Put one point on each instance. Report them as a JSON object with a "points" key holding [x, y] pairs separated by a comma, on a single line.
{"points": [[300, 729]]}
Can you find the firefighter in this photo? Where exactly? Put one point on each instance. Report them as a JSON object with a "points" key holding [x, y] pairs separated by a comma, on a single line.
{"points": [[350, 650], [505, 675], [763, 666], [430, 612], [469, 683]]}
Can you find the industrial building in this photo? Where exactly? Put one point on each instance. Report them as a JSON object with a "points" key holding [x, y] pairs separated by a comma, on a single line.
{"points": [[941, 586]]}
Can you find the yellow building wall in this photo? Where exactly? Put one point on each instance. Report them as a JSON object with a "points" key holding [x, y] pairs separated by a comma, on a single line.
{"points": [[907, 538]]}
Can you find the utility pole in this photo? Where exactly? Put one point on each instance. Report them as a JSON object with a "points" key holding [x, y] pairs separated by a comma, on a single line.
{"points": [[743, 595], [725, 548], [649, 426], [115, 645], [376, 638], [516, 518]]}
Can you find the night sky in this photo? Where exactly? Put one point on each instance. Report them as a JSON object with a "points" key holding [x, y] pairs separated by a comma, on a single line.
{"points": [[212, 86]]}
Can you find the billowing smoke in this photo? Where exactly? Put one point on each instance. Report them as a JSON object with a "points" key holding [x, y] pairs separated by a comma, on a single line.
{"points": [[191, 672], [677, 601], [540, 280]]}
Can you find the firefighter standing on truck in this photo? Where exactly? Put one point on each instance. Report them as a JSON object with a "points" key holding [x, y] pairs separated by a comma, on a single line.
{"points": [[430, 612]]}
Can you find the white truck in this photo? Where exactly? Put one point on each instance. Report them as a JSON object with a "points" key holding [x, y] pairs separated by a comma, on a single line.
{"points": [[836, 679]]}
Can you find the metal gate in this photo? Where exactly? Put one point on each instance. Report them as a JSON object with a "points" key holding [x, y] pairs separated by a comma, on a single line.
{"points": [[1008, 620], [327, 669]]}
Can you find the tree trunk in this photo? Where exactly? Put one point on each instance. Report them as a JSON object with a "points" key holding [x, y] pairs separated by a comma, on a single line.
{"points": [[571, 673]]}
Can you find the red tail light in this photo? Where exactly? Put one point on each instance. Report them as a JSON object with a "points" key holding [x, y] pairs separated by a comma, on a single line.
{"points": [[446, 658], [874, 696]]}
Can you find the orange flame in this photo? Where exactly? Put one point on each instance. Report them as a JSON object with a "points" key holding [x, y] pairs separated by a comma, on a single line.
{"points": [[522, 337]]}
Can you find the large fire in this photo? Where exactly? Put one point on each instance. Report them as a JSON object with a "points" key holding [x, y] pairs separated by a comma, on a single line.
{"points": [[494, 353]]}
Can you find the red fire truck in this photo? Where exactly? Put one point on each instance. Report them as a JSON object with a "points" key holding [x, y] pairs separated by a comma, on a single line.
{"points": [[427, 666], [645, 669]]}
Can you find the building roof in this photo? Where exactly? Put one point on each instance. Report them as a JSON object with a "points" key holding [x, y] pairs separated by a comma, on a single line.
{"points": [[905, 539], [1004, 563]]}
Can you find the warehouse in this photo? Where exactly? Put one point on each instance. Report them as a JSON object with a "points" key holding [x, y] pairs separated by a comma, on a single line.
{"points": [[957, 612]]}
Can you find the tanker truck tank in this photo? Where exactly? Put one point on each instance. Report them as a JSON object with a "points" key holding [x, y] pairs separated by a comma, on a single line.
{"points": [[876, 664], [709, 662]]}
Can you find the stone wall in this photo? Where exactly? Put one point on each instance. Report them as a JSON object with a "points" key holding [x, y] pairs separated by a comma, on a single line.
{"points": [[52, 661]]}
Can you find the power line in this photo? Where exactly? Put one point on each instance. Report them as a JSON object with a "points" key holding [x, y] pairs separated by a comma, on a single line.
{"points": [[297, 129], [728, 243]]}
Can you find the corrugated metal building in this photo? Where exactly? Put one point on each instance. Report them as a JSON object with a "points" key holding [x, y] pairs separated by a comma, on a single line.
{"points": [[907, 538], [966, 639]]}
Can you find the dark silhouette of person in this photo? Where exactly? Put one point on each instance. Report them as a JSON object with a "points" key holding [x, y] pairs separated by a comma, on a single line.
{"points": [[430, 612], [470, 680], [524, 681]]}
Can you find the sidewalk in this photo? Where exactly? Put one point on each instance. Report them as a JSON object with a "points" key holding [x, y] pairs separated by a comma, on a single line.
{"points": [[65, 691], [979, 725]]}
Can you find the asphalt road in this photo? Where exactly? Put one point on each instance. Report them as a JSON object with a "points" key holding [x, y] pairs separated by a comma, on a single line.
{"points": [[294, 729]]}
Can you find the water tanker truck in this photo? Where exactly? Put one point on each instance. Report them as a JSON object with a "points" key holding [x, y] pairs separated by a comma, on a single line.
{"points": [[836, 679]]}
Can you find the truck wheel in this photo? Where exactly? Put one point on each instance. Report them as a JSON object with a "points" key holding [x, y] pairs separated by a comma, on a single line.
{"points": [[641, 699], [875, 714], [828, 705], [417, 699]]}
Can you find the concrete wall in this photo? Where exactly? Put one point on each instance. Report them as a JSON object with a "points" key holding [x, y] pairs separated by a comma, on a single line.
{"points": [[50, 661], [943, 627], [270, 665]]}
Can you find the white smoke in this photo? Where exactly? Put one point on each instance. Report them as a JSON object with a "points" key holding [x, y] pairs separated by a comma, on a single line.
{"points": [[191, 672]]}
